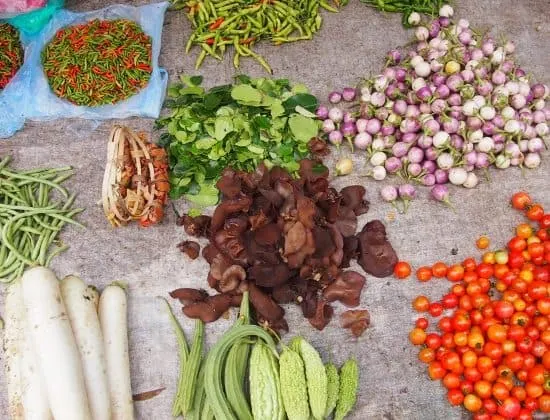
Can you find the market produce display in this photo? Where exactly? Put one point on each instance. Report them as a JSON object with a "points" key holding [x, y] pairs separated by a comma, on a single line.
{"points": [[66, 349], [455, 103], [291, 384], [490, 344], [239, 125], [278, 221], [97, 63], [11, 53], [31, 217], [242, 23], [286, 240], [135, 183]]}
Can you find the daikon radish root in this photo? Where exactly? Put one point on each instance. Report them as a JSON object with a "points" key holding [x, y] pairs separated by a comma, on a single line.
{"points": [[81, 302], [54, 344], [27, 396], [113, 316], [13, 346]]}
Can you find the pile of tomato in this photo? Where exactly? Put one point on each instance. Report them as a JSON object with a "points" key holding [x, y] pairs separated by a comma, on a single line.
{"points": [[492, 346]]}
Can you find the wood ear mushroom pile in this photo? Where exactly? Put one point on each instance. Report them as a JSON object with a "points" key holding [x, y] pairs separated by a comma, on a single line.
{"points": [[135, 183]]}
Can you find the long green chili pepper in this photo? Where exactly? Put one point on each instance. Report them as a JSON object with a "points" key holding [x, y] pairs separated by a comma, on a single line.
{"points": [[99, 62], [276, 20]]}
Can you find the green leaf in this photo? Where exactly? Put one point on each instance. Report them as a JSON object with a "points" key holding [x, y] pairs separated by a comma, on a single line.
{"points": [[194, 212], [173, 92], [211, 101], [299, 88], [303, 128], [243, 142], [243, 78], [172, 127], [261, 121], [305, 100], [277, 109], [256, 149], [208, 195], [191, 80], [302, 111], [246, 94], [224, 125], [205, 143], [181, 136], [192, 90]]}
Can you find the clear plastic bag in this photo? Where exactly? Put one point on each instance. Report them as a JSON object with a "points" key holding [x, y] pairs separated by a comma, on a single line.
{"points": [[28, 95]]}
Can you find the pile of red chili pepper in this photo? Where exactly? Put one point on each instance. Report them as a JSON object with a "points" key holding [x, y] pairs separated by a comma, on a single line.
{"points": [[11, 53], [99, 62], [491, 344]]}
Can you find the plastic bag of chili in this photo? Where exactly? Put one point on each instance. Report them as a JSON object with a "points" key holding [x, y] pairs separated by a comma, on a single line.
{"points": [[50, 86]]}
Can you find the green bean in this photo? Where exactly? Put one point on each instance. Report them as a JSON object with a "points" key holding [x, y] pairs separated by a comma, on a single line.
{"points": [[29, 220]]}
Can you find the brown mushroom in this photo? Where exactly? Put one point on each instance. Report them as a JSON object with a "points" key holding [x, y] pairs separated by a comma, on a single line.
{"points": [[210, 309], [264, 305], [195, 226], [357, 320], [346, 288], [376, 255], [188, 295], [323, 315], [231, 278], [191, 248]]}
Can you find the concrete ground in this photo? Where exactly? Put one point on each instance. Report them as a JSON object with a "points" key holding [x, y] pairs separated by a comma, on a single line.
{"points": [[351, 45]]}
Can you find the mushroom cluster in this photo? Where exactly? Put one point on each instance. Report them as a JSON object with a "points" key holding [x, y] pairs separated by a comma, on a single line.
{"points": [[287, 240]]}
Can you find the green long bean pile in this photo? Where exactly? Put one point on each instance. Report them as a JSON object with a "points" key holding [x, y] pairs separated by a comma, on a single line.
{"points": [[30, 219], [242, 23]]}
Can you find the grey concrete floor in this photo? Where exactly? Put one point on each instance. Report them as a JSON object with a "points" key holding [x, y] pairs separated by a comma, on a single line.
{"points": [[350, 45]]}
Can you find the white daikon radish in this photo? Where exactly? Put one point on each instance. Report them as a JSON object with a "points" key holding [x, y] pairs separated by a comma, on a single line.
{"points": [[27, 397], [113, 316], [81, 302], [13, 347], [55, 345]]}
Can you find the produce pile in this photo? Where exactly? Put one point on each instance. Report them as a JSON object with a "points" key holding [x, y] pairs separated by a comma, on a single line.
{"points": [[238, 126], [243, 376], [66, 349], [11, 53], [97, 63], [135, 183], [490, 346], [242, 23], [31, 217], [455, 103], [287, 240]]}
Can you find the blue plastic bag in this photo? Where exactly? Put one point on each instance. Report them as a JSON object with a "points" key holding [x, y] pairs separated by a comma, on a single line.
{"points": [[28, 95]]}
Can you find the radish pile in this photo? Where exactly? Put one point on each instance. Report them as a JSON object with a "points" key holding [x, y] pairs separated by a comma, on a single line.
{"points": [[455, 103], [66, 349]]}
